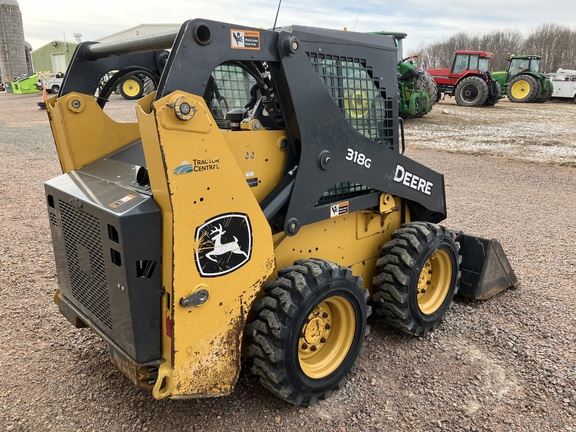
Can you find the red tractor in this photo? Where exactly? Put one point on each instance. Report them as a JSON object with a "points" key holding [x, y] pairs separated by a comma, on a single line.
{"points": [[468, 80]]}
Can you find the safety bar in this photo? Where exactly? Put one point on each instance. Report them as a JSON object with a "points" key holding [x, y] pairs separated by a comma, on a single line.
{"points": [[151, 42]]}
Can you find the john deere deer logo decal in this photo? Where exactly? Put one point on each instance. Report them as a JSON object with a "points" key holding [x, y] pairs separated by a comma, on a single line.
{"points": [[224, 244], [221, 249]]}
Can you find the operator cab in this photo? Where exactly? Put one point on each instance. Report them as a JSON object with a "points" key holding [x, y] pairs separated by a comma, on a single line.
{"points": [[471, 60], [523, 64]]}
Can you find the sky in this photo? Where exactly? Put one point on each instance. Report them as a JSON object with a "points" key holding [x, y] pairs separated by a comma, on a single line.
{"points": [[424, 21]]}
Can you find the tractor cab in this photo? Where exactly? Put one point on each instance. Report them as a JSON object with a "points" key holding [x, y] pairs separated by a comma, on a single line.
{"points": [[471, 60], [519, 64]]}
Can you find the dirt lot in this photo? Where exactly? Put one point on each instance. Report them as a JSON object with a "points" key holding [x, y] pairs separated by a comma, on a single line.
{"points": [[507, 364]]}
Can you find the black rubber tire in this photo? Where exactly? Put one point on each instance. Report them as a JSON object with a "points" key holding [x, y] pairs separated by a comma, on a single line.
{"points": [[423, 82], [149, 85], [495, 96], [529, 95], [55, 89], [471, 92], [545, 94], [400, 276], [135, 88], [431, 87], [284, 315]]}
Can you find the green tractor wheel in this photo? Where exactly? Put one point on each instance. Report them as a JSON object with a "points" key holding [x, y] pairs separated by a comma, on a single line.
{"points": [[523, 88]]}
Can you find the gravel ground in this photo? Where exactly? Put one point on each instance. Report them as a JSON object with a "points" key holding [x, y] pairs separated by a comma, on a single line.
{"points": [[507, 364]]}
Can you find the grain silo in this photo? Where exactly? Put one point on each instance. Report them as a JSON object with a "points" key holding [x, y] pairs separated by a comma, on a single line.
{"points": [[12, 48]]}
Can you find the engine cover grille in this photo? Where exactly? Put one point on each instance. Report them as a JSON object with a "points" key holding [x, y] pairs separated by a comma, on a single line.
{"points": [[86, 261]]}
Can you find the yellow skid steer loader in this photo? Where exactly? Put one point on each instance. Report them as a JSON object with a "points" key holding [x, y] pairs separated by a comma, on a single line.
{"points": [[257, 211]]}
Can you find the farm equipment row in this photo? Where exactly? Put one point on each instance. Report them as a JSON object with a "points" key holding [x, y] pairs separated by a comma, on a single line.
{"points": [[472, 84]]}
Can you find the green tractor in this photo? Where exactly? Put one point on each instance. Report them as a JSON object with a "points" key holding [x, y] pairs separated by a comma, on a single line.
{"points": [[416, 88], [522, 82]]}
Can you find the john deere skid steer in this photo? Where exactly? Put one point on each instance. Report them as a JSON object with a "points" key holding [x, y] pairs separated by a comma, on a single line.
{"points": [[256, 211]]}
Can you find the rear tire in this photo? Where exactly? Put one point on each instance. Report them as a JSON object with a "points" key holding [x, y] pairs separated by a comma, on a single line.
{"points": [[417, 277], [55, 89], [471, 92], [309, 330], [523, 89], [547, 93]]}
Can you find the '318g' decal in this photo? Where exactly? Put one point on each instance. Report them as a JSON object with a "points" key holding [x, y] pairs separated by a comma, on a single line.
{"points": [[359, 158]]}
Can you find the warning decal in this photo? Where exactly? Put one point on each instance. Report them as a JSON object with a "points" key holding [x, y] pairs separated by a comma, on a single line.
{"points": [[122, 201], [339, 209], [245, 39]]}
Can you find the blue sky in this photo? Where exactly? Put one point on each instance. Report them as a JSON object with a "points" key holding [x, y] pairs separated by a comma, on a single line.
{"points": [[425, 21]]}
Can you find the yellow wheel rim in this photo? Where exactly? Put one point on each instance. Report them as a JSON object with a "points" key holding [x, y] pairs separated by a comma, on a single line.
{"points": [[434, 282], [356, 103], [326, 337], [520, 89], [131, 87]]}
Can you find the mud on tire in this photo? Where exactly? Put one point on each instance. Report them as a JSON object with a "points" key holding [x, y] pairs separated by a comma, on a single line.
{"points": [[308, 331]]}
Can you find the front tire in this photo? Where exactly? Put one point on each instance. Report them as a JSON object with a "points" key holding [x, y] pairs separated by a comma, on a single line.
{"points": [[131, 88], [417, 277], [471, 92], [309, 330], [495, 94]]}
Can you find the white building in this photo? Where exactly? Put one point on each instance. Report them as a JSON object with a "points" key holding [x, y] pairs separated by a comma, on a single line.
{"points": [[140, 30]]}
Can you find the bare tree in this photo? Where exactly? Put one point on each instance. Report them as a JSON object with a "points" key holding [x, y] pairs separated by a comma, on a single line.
{"points": [[556, 44]]}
